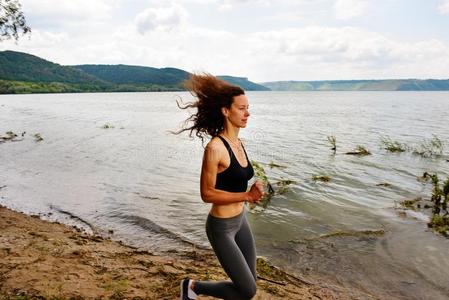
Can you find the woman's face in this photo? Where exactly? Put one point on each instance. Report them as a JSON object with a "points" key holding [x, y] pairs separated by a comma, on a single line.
{"points": [[238, 113]]}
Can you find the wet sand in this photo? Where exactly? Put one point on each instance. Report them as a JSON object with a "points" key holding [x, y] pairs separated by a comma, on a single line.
{"points": [[44, 260]]}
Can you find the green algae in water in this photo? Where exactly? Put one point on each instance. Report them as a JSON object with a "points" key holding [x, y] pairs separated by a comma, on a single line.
{"points": [[260, 174], [439, 220], [38, 137], [413, 204], [359, 151], [440, 224], [282, 186], [393, 146], [272, 165], [355, 233], [9, 136], [424, 178], [107, 126], [333, 141], [429, 148], [322, 178]]}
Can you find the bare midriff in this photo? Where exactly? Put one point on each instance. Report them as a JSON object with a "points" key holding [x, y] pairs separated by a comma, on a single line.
{"points": [[226, 211]]}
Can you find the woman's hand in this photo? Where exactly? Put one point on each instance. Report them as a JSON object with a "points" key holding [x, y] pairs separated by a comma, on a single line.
{"points": [[256, 192]]}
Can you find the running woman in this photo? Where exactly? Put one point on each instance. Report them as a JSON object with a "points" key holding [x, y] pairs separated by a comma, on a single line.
{"points": [[222, 110]]}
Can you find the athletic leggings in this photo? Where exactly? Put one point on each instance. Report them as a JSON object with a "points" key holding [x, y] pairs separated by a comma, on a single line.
{"points": [[233, 243]]}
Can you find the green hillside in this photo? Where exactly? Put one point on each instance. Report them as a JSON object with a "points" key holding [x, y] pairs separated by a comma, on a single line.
{"points": [[124, 74], [19, 66], [26, 73], [361, 85], [244, 83], [165, 76]]}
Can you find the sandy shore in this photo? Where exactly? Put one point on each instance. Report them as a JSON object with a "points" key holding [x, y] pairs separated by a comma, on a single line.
{"points": [[43, 260]]}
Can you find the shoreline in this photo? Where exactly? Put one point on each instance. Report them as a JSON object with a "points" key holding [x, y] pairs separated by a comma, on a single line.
{"points": [[45, 260]]}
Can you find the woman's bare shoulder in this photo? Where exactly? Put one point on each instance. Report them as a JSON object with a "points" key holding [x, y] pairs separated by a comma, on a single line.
{"points": [[216, 148], [215, 144]]}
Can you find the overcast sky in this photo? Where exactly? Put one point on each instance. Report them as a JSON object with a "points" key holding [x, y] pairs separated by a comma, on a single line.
{"points": [[264, 40]]}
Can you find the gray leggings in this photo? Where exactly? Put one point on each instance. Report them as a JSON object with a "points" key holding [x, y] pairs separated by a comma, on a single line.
{"points": [[233, 243]]}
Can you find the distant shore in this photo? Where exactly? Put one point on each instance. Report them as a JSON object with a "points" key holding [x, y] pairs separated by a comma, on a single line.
{"points": [[9, 87], [23, 73], [44, 260]]}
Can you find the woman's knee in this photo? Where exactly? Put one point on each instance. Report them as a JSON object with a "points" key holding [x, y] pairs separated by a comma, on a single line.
{"points": [[249, 291]]}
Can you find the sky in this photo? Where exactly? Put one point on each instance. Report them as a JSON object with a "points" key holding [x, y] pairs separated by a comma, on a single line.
{"points": [[264, 40]]}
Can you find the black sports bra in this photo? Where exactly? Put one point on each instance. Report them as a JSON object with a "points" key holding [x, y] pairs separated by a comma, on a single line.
{"points": [[235, 178]]}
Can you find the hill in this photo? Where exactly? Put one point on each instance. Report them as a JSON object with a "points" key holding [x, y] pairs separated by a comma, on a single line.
{"points": [[19, 66], [361, 85], [124, 74], [244, 83], [26, 73]]}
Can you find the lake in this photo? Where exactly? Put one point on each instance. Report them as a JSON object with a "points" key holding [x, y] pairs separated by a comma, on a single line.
{"points": [[138, 183]]}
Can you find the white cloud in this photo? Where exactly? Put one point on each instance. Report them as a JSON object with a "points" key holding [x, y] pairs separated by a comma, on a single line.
{"points": [[326, 43], [329, 53], [46, 45], [310, 53], [63, 12], [443, 8], [197, 1], [347, 9], [167, 35], [165, 18], [229, 4]]}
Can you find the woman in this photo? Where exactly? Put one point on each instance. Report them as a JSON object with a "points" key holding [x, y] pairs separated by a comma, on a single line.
{"points": [[222, 109]]}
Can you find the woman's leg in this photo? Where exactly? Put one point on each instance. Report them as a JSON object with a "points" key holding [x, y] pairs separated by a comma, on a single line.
{"points": [[245, 240], [222, 236]]}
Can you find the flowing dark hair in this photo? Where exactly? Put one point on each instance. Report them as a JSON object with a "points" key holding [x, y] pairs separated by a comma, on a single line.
{"points": [[212, 95]]}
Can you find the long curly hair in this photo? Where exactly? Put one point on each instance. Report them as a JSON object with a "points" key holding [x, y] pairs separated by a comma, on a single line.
{"points": [[212, 94]]}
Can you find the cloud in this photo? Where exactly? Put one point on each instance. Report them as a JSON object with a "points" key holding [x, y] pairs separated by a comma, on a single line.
{"points": [[224, 5], [326, 43], [229, 4], [64, 13], [347, 9], [47, 45], [443, 8], [164, 18], [168, 35], [309, 53], [342, 53]]}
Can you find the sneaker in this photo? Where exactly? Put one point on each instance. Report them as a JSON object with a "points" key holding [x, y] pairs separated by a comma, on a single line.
{"points": [[185, 289]]}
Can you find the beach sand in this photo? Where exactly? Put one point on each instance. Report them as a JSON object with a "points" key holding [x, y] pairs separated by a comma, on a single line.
{"points": [[44, 260]]}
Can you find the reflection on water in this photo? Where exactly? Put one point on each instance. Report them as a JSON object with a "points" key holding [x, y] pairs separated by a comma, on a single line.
{"points": [[143, 183]]}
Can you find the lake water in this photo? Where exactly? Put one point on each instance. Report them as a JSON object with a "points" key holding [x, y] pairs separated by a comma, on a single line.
{"points": [[142, 182]]}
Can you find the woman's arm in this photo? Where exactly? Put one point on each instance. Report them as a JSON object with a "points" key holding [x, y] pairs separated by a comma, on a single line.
{"points": [[209, 170]]}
